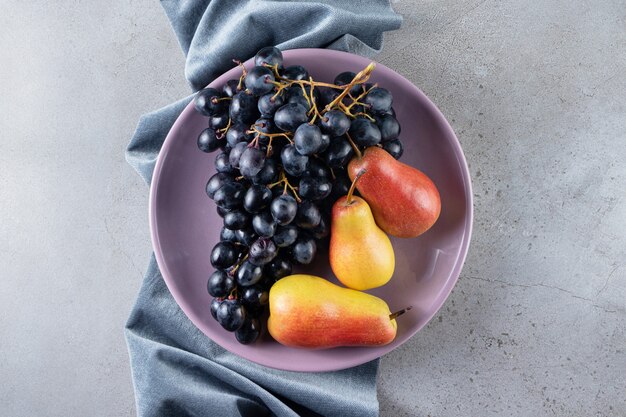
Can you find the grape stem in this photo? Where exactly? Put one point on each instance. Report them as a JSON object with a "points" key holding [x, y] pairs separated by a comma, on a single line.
{"points": [[316, 112], [367, 116], [283, 180], [360, 78], [253, 129], [349, 200], [244, 72], [223, 131], [274, 69], [254, 142], [217, 100], [278, 92], [237, 265], [306, 96], [360, 96], [269, 149], [346, 110], [271, 136]]}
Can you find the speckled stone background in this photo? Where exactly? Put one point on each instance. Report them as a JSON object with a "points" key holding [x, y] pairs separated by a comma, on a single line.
{"points": [[536, 92]]}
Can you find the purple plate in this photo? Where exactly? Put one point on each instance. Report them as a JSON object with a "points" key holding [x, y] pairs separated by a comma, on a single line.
{"points": [[185, 225]]}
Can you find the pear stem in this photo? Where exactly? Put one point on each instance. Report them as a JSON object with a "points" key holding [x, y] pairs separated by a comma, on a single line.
{"points": [[353, 186], [357, 151], [399, 313]]}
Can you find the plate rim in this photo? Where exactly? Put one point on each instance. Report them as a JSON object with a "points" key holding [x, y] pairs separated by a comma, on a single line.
{"points": [[368, 356]]}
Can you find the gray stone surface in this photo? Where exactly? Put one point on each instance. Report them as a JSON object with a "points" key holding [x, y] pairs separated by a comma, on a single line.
{"points": [[537, 95]]}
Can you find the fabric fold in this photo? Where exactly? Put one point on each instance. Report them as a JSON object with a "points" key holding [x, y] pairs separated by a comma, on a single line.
{"points": [[211, 33]]}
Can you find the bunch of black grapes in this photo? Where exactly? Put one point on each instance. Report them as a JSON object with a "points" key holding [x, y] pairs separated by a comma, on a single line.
{"points": [[285, 141]]}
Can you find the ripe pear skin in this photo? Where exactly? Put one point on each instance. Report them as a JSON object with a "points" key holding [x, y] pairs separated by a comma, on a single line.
{"points": [[404, 201], [310, 312], [360, 254]]}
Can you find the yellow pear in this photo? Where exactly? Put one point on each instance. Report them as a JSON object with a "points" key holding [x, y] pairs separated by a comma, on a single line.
{"points": [[361, 255]]}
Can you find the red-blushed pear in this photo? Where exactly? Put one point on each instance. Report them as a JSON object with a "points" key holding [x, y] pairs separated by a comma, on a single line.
{"points": [[404, 201], [310, 312]]}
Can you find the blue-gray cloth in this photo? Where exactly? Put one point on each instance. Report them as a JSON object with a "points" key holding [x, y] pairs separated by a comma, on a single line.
{"points": [[177, 370]]}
